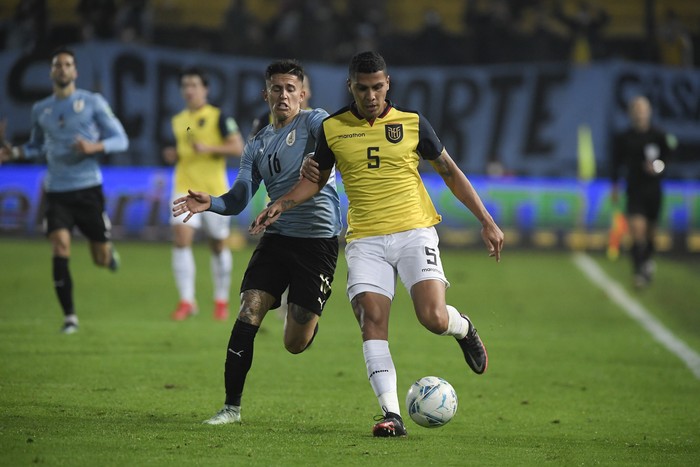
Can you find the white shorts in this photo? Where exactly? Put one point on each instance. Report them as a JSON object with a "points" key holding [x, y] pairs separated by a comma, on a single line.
{"points": [[373, 262], [215, 225]]}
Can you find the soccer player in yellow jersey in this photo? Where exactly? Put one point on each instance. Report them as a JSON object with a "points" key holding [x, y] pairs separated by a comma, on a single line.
{"points": [[205, 137], [377, 146]]}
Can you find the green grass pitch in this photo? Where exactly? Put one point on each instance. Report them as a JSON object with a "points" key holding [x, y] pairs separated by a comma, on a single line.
{"points": [[571, 381]]}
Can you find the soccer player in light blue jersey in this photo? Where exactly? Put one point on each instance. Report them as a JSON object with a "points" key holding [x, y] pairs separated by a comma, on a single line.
{"points": [[300, 251], [70, 129]]}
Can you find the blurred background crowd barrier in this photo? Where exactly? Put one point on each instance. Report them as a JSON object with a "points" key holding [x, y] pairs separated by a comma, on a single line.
{"points": [[549, 213]]}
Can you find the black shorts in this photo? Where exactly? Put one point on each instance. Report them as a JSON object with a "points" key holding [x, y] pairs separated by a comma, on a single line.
{"points": [[305, 265], [84, 209], [645, 202]]}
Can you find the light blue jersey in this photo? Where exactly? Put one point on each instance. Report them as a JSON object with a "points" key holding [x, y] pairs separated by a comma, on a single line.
{"points": [[57, 123], [274, 156]]}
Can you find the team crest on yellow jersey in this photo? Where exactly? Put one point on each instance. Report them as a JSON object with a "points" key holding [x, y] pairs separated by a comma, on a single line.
{"points": [[394, 132], [291, 137]]}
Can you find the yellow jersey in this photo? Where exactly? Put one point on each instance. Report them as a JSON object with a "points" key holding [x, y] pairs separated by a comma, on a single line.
{"points": [[378, 162], [201, 171]]}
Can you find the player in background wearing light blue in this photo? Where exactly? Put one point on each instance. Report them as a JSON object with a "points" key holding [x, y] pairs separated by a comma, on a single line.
{"points": [[70, 129], [300, 251]]}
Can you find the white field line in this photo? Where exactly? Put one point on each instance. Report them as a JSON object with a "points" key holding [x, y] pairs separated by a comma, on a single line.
{"points": [[637, 312]]}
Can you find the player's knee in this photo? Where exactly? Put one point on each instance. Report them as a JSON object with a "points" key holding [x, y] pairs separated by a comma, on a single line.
{"points": [[295, 346]]}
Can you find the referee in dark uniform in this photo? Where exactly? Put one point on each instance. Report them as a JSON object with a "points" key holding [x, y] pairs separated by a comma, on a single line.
{"points": [[641, 152]]}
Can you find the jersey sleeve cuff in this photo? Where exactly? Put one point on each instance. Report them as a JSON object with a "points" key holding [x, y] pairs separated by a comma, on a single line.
{"points": [[217, 205]]}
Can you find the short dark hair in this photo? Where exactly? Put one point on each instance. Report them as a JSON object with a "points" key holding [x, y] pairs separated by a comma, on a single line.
{"points": [[366, 62], [194, 71], [63, 50], [285, 67]]}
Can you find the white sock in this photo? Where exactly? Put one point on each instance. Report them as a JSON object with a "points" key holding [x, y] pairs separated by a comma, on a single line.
{"points": [[456, 325], [184, 271], [221, 266], [382, 374]]}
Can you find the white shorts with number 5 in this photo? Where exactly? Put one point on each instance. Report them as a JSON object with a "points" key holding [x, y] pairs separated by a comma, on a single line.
{"points": [[373, 262]]}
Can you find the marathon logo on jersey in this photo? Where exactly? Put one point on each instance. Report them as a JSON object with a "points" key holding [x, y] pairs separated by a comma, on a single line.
{"points": [[394, 132], [351, 135]]}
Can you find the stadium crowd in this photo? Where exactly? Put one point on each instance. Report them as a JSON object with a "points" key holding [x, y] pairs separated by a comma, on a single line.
{"points": [[442, 33]]}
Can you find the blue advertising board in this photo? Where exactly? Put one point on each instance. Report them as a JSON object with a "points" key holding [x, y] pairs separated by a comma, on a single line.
{"points": [[530, 210]]}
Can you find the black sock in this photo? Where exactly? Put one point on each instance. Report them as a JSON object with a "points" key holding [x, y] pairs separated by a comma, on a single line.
{"points": [[63, 284], [239, 358], [649, 250], [637, 256]]}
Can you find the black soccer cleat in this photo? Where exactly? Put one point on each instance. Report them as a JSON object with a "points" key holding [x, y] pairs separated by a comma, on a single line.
{"points": [[474, 350], [390, 425]]}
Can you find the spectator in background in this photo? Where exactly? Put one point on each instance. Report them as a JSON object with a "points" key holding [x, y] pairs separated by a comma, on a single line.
{"points": [[585, 27], [319, 24], [547, 40], [284, 30], [97, 18], [674, 42], [433, 44], [242, 33], [28, 28], [134, 21], [205, 137], [493, 30], [362, 22], [641, 152]]}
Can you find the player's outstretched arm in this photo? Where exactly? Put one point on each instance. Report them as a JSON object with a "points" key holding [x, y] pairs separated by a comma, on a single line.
{"points": [[194, 202], [301, 192], [463, 190]]}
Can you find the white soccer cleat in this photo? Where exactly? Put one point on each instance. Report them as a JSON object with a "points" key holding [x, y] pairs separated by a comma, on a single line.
{"points": [[229, 414], [70, 325]]}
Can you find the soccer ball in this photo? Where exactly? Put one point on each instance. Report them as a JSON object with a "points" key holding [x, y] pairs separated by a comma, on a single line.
{"points": [[431, 402]]}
